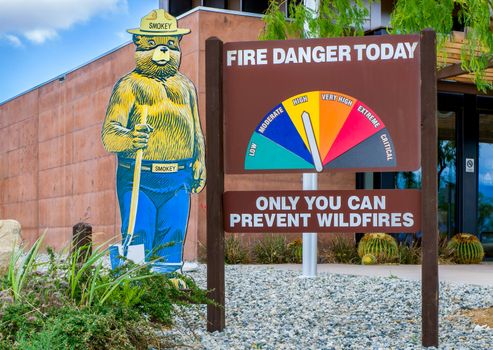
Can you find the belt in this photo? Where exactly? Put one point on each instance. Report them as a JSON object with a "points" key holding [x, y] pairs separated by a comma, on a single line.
{"points": [[159, 167]]}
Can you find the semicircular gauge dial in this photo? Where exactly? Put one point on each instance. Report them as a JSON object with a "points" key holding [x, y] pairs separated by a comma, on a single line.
{"points": [[317, 130]]}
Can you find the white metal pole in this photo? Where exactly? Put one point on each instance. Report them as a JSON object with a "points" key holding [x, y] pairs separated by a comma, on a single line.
{"points": [[313, 5], [310, 253], [309, 265], [164, 4]]}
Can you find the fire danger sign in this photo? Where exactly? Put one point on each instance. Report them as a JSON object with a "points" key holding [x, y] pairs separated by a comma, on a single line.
{"points": [[338, 104]]}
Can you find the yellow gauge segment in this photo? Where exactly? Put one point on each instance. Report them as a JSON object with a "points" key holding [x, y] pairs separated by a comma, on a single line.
{"points": [[308, 102]]}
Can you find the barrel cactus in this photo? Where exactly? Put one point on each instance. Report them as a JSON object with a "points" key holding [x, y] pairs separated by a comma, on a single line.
{"points": [[362, 245], [368, 259], [381, 245], [466, 249]]}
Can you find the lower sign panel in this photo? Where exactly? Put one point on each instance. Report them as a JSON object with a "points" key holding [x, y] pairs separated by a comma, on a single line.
{"points": [[391, 211]]}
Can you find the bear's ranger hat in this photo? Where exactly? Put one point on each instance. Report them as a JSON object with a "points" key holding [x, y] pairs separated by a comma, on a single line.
{"points": [[158, 23]]}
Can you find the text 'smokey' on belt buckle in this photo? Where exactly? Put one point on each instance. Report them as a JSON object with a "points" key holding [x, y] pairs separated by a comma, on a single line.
{"points": [[165, 168]]}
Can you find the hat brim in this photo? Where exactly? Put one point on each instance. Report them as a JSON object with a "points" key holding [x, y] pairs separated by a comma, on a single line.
{"points": [[179, 31]]}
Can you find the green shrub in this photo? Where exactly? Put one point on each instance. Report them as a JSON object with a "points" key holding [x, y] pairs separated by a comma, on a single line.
{"points": [[295, 251], [86, 328], [466, 249], [344, 251], [409, 254], [271, 250], [381, 245], [16, 317], [326, 255], [71, 304], [235, 252]]}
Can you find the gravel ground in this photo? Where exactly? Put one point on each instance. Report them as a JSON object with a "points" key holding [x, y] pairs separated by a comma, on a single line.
{"points": [[273, 309]]}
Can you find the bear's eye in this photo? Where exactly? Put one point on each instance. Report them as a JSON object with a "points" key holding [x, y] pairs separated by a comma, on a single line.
{"points": [[151, 42], [171, 43]]}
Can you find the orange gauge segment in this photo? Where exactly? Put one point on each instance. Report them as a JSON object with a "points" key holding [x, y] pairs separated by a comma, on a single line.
{"points": [[334, 110]]}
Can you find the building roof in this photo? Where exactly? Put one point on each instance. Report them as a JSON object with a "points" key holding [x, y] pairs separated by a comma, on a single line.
{"points": [[449, 62]]}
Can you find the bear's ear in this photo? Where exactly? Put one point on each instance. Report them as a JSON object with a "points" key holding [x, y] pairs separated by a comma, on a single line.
{"points": [[137, 39]]}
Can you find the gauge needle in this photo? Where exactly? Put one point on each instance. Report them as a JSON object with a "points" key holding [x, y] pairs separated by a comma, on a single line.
{"points": [[312, 142]]}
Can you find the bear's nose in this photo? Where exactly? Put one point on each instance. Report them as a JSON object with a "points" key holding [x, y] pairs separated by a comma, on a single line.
{"points": [[161, 55]]}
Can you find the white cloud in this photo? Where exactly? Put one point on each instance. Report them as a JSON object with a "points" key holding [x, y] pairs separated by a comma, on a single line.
{"points": [[13, 40], [39, 36], [122, 36], [39, 20]]}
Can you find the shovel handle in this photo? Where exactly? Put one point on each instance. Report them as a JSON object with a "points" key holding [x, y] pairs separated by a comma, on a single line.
{"points": [[136, 184]]}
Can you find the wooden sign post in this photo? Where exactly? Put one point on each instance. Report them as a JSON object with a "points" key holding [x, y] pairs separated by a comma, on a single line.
{"points": [[429, 190], [215, 183], [312, 106]]}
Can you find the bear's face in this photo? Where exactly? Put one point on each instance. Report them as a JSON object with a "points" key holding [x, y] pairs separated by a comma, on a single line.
{"points": [[157, 55]]}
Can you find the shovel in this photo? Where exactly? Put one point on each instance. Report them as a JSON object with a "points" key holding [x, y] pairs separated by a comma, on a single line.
{"points": [[134, 252]]}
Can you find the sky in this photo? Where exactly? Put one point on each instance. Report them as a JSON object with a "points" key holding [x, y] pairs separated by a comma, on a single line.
{"points": [[41, 39]]}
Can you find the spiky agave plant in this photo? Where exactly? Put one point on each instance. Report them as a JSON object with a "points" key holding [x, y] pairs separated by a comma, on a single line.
{"points": [[466, 249], [381, 245]]}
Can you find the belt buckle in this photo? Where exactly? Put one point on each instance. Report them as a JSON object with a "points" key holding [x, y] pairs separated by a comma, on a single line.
{"points": [[165, 168]]}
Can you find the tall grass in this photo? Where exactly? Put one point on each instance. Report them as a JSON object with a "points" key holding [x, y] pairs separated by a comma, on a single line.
{"points": [[271, 250], [410, 254], [91, 283], [20, 268], [235, 252], [344, 251]]}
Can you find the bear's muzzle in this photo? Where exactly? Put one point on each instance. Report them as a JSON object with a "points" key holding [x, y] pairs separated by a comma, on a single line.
{"points": [[161, 55]]}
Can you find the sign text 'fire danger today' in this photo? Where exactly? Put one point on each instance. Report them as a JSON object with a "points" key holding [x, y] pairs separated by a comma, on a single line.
{"points": [[322, 211], [322, 54]]}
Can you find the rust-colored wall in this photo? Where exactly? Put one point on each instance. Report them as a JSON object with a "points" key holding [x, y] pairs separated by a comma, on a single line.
{"points": [[54, 171], [19, 162]]}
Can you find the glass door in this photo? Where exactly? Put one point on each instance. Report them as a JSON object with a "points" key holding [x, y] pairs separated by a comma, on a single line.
{"points": [[485, 182], [446, 172]]}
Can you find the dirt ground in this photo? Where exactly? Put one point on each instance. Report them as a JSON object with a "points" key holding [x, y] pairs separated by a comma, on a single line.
{"points": [[481, 316]]}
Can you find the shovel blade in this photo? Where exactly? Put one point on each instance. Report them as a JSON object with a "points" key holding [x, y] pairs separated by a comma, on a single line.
{"points": [[135, 253]]}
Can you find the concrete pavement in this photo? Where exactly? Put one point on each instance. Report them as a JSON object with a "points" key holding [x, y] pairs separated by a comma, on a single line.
{"points": [[481, 274]]}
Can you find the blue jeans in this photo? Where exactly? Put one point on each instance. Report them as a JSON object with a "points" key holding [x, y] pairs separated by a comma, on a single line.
{"points": [[162, 211]]}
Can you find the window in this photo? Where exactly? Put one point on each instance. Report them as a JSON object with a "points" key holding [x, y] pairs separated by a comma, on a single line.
{"points": [[255, 6], [220, 4], [179, 7]]}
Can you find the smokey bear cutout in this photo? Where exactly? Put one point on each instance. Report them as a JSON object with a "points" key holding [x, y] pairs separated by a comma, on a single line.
{"points": [[153, 126]]}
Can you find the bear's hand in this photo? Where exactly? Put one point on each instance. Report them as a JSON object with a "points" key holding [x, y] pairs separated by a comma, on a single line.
{"points": [[140, 136], [199, 176]]}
